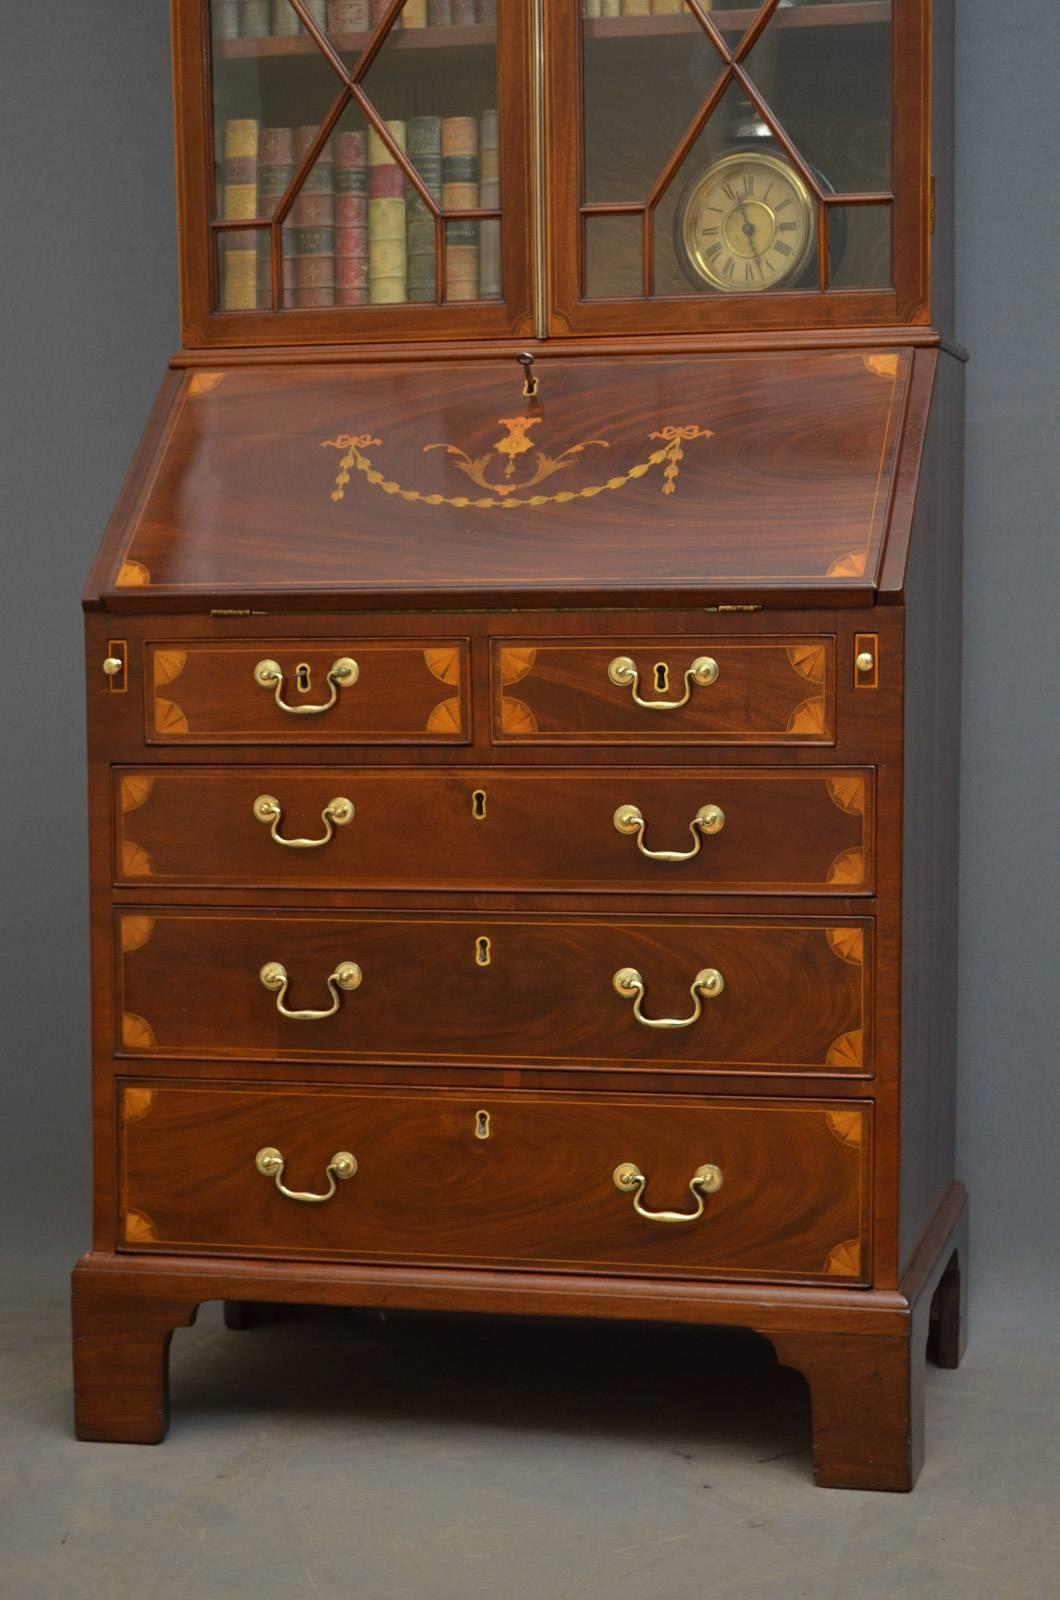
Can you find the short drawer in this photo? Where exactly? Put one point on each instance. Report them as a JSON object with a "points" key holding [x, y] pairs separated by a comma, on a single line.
{"points": [[337, 691], [504, 1179], [740, 994], [665, 690], [716, 829]]}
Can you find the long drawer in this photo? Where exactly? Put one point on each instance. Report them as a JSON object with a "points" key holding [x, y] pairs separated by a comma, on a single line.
{"points": [[765, 1188], [753, 994], [338, 691], [721, 829]]}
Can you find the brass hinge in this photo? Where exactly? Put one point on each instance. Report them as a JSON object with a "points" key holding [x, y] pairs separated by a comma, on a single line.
{"points": [[931, 206]]}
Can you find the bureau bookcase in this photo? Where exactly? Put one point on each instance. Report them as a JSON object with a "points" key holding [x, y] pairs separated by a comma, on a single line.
{"points": [[523, 696]]}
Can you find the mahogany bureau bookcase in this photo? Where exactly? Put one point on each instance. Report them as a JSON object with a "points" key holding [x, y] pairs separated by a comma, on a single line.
{"points": [[523, 696]]}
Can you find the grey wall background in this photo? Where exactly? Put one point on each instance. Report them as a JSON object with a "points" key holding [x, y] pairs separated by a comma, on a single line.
{"points": [[88, 302]]}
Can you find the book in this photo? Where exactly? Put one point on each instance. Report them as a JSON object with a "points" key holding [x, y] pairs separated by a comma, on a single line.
{"points": [[309, 229], [349, 16], [255, 19], [227, 16], [387, 248], [286, 23], [460, 180], [487, 11], [275, 171], [318, 11], [489, 199], [464, 13], [414, 14], [636, 8], [425, 153], [351, 218], [439, 13], [239, 201]]}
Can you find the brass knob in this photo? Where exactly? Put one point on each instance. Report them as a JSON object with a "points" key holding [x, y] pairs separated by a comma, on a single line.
{"points": [[865, 661], [113, 665]]}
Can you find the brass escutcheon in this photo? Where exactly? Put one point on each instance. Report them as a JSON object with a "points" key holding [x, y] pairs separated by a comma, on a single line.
{"points": [[623, 672]]}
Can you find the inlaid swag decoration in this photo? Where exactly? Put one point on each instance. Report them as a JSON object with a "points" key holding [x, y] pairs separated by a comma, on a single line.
{"points": [[507, 488]]}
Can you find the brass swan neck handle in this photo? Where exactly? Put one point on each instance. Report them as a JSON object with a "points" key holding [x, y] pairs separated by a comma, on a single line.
{"points": [[342, 1166], [707, 984], [629, 1179], [342, 674]]}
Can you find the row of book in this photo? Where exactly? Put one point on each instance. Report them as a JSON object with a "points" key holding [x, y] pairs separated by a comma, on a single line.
{"points": [[636, 8], [358, 232], [277, 19]]}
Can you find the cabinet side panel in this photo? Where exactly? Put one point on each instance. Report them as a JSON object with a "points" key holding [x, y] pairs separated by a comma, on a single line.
{"points": [[943, 292], [930, 828]]}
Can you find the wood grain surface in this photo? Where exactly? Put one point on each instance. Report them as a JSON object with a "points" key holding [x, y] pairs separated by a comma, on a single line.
{"points": [[792, 832], [538, 1190], [798, 992]]}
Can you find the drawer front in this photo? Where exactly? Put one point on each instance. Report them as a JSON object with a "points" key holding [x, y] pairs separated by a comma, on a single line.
{"points": [[500, 1179], [806, 832], [338, 691], [796, 993], [698, 691]]}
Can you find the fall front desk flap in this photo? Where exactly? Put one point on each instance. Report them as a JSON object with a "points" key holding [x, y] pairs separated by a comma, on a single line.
{"points": [[624, 477]]}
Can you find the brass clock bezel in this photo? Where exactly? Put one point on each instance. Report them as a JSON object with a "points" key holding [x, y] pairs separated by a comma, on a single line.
{"points": [[692, 260]]}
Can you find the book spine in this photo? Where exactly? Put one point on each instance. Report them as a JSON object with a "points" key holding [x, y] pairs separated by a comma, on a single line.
{"points": [[227, 16], [669, 8], [275, 171], [311, 226], [610, 8], [439, 13], [239, 179], [318, 11], [387, 250], [636, 8], [489, 199], [425, 153], [378, 10], [464, 13], [351, 219], [286, 23], [414, 14], [460, 181], [349, 16], [255, 19], [487, 11]]}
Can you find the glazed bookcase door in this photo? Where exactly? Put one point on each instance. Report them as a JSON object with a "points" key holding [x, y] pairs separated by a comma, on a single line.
{"points": [[353, 169], [755, 167]]}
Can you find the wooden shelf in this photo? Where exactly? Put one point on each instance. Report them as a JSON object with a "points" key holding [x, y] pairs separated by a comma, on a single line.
{"points": [[845, 15], [478, 36], [850, 13]]}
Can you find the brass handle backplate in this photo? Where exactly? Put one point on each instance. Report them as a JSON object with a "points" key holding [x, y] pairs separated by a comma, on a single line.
{"points": [[336, 814], [623, 672], [270, 1164], [707, 984], [346, 976], [708, 819], [629, 1179], [342, 674]]}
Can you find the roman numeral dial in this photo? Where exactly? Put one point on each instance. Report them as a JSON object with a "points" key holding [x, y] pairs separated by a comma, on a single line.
{"points": [[746, 224]]}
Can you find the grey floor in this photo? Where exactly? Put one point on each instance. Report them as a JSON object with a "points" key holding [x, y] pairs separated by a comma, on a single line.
{"points": [[336, 1453]]}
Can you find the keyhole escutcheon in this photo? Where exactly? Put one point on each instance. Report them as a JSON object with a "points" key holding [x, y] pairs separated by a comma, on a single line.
{"points": [[482, 1124], [483, 951], [303, 677], [662, 677]]}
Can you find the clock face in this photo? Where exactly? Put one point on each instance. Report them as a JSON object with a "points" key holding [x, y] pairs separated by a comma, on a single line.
{"points": [[746, 224]]}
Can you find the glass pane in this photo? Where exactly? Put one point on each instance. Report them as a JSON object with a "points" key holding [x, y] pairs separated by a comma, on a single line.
{"points": [[244, 269], [614, 250], [830, 87], [861, 247], [738, 217], [358, 232], [646, 75]]}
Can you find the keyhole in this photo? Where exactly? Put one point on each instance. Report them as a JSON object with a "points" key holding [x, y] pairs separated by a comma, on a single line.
{"points": [[483, 952], [662, 676], [478, 804], [303, 677], [482, 1124]]}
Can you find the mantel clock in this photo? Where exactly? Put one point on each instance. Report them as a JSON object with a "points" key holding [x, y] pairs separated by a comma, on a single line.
{"points": [[523, 695]]}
